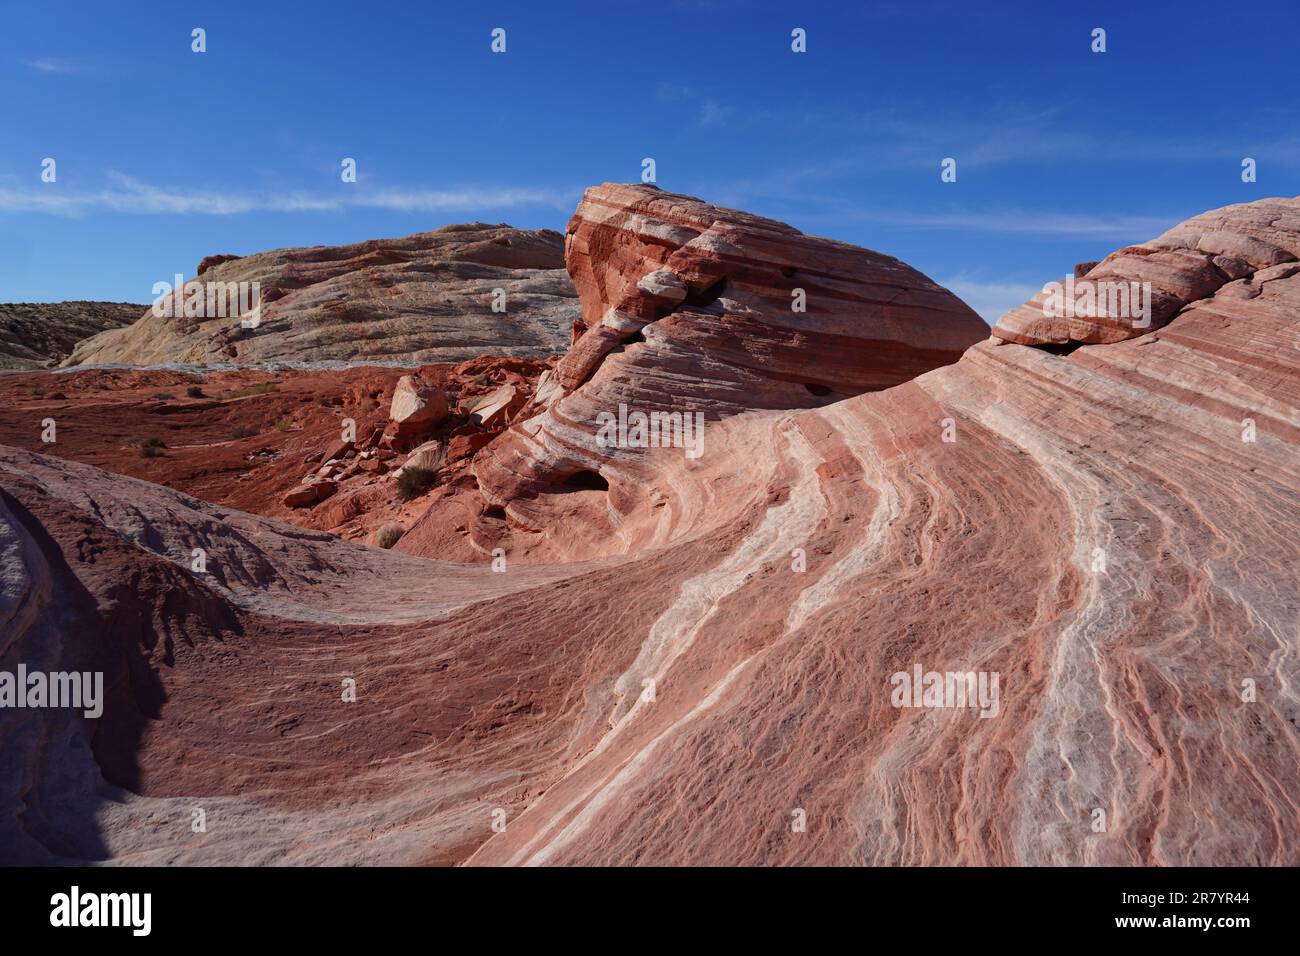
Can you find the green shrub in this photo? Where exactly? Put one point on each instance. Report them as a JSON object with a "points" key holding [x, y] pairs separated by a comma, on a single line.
{"points": [[195, 392], [415, 481]]}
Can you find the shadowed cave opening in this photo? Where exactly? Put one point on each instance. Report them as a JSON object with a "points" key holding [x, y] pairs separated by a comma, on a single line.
{"points": [[821, 391], [708, 295], [1059, 348], [585, 481]]}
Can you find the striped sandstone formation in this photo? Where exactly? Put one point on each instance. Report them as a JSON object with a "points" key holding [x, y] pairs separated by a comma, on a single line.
{"points": [[693, 309], [1113, 530]]}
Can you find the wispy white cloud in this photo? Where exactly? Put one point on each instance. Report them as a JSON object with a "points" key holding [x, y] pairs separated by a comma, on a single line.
{"points": [[706, 111], [60, 65], [126, 194], [713, 113]]}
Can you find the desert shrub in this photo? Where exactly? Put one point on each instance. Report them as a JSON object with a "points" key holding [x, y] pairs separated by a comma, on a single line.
{"points": [[243, 431], [284, 424], [163, 396], [195, 392], [386, 535], [368, 405], [152, 447], [415, 481]]}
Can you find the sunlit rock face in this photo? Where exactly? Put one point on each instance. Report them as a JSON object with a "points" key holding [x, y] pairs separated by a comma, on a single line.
{"points": [[1104, 537], [700, 312], [444, 296], [1140, 288]]}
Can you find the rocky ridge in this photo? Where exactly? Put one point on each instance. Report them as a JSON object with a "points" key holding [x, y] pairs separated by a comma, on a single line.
{"points": [[41, 334], [426, 298]]}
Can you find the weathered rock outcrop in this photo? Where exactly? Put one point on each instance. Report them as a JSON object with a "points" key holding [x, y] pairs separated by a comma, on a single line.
{"points": [[693, 309], [426, 298], [40, 334], [778, 311], [245, 438], [1186, 264], [1109, 534]]}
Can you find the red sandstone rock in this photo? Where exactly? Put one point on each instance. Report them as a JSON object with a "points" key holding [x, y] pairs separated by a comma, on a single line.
{"points": [[1185, 265], [464, 446], [207, 262], [691, 308], [228, 447], [1113, 532], [310, 493], [497, 409], [416, 408], [430, 456], [337, 450]]}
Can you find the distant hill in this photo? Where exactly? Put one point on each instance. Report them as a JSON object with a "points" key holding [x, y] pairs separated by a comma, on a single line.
{"points": [[424, 298], [40, 334]]}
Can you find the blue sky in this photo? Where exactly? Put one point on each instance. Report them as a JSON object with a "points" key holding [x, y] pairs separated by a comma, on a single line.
{"points": [[165, 156]]}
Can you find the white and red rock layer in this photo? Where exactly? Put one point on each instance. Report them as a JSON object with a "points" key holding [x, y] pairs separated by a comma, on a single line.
{"points": [[1186, 264], [1099, 534], [690, 308], [419, 299]]}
